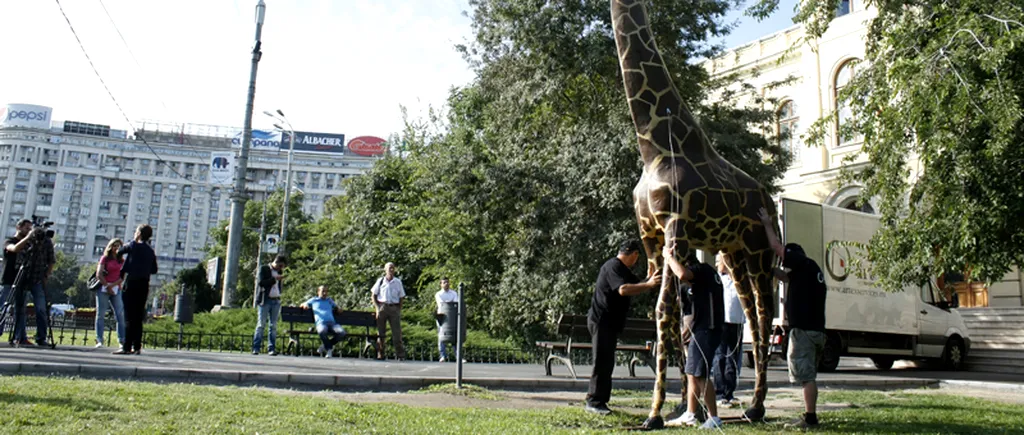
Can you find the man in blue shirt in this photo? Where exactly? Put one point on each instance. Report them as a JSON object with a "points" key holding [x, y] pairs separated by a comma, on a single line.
{"points": [[323, 312]]}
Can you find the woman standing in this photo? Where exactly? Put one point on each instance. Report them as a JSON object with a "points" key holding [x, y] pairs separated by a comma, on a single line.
{"points": [[109, 273], [139, 264]]}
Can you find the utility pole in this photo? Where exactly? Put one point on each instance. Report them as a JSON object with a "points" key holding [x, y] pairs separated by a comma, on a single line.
{"points": [[279, 116], [238, 197]]}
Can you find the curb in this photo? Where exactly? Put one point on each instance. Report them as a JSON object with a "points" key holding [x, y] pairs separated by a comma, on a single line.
{"points": [[982, 384], [383, 383]]}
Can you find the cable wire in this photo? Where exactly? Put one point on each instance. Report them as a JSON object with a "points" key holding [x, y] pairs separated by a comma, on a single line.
{"points": [[110, 93]]}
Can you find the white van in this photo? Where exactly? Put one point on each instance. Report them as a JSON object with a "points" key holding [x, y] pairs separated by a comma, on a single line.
{"points": [[860, 318]]}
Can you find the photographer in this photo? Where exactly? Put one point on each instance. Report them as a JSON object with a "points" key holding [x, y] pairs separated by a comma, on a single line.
{"points": [[35, 262]]}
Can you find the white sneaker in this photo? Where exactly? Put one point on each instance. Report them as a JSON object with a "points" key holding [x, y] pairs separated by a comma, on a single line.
{"points": [[99, 344], [442, 359], [321, 350], [330, 354], [712, 423], [685, 419]]}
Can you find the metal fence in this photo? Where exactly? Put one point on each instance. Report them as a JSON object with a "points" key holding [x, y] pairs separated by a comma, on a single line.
{"points": [[80, 331]]}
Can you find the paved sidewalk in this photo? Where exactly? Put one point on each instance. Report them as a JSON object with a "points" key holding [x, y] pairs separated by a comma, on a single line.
{"points": [[372, 375]]}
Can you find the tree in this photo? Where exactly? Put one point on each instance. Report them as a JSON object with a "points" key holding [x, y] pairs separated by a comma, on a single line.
{"points": [[938, 100], [200, 293], [66, 283], [521, 187]]}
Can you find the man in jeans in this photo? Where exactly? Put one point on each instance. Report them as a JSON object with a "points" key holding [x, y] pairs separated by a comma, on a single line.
{"points": [[35, 259], [323, 313], [268, 304], [726, 366], [388, 294], [11, 266]]}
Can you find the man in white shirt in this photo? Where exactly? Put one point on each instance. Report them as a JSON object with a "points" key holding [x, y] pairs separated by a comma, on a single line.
{"points": [[726, 365], [268, 304], [444, 296], [388, 294]]}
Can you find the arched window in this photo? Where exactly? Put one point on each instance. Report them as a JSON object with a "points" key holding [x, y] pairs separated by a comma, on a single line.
{"points": [[842, 106], [787, 129], [851, 204]]}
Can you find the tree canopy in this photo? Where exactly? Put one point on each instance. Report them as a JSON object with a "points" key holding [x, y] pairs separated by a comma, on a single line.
{"points": [[938, 100]]}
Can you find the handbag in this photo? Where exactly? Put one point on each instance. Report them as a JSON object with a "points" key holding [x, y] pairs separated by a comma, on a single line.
{"points": [[94, 284]]}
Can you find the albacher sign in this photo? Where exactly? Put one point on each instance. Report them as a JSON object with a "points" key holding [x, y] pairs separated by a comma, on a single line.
{"points": [[317, 142]]}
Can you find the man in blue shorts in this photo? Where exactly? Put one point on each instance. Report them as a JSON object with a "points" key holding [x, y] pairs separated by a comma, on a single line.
{"points": [[708, 321]]}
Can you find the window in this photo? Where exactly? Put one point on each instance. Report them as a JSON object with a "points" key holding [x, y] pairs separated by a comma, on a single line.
{"points": [[843, 8], [842, 105], [787, 129]]}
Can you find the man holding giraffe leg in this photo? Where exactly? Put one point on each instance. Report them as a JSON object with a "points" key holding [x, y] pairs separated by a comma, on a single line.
{"points": [[805, 316], [708, 322]]}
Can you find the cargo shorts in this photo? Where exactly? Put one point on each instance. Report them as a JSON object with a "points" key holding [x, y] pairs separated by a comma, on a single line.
{"points": [[805, 350]]}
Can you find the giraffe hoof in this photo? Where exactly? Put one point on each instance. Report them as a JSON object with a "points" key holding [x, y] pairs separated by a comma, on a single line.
{"points": [[753, 415], [654, 423]]}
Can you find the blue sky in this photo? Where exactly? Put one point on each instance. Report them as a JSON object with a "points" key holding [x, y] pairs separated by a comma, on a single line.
{"points": [[331, 66]]}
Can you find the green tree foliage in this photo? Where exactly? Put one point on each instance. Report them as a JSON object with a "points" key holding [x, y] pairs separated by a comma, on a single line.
{"points": [[201, 294], [67, 282], [938, 100], [522, 187]]}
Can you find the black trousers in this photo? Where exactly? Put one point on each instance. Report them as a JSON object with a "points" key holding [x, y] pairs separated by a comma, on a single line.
{"points": [[136, 292], [602, 340]]}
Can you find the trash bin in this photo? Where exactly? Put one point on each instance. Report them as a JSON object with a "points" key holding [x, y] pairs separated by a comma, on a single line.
{"points": [[447, 321], [182, 309]]}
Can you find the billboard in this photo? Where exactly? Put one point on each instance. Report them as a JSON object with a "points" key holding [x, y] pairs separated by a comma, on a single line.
{"points": [[25, 115], [222, 168], [317, 142], [367, 146], [261, 140]]}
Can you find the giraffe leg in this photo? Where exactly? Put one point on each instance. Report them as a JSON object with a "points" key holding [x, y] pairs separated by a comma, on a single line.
{"points": [[755, 288], [678, 337], [663, 317]]}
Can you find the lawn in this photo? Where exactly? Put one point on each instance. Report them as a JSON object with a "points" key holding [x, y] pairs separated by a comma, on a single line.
{"points": [[69, 405]]}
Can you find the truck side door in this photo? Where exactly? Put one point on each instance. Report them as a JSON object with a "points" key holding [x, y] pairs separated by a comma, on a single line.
{"points": [[933, 321]]}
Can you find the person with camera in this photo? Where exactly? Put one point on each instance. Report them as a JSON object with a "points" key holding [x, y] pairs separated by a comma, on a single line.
{"points": [[268, 304], [139, 264], [108, 271], [11, 265], [35, 260]]}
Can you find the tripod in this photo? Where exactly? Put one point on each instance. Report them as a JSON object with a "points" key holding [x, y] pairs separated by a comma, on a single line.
{"points": [[17, 290]]}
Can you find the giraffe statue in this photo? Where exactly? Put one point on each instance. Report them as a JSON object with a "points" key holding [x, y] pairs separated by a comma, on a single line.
{"points": [[688, 194]]}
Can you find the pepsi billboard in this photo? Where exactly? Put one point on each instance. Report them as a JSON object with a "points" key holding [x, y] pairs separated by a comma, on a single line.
{"points": [[261, 140], [317, 142], [25, 115]]}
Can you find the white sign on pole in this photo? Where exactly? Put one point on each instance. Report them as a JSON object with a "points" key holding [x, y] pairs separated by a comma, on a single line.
{"points": [[222, 168], [270, 243]]}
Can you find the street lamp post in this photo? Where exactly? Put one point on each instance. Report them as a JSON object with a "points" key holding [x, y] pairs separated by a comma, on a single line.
{"points": [[288, 179], [238, 197]]}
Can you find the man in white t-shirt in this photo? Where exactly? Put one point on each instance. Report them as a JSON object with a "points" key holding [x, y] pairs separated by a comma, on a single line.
{"points": [[727, 365], [444, 296], [388, 294]]}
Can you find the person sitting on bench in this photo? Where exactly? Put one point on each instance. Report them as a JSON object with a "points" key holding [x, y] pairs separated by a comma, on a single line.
{"points": [[323, 312]]}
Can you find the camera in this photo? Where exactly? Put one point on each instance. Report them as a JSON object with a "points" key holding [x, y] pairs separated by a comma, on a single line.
{"points": [[41, 229]]}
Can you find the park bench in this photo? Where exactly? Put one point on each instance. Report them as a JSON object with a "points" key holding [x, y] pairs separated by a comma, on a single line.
{"points": [[347, 319], [637, 337]]}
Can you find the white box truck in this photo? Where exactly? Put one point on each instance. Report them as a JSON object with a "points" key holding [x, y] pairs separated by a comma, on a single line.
{"points": [[861, 319]]}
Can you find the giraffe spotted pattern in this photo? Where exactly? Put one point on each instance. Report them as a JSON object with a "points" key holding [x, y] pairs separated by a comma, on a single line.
{"points": [[691, 195]]}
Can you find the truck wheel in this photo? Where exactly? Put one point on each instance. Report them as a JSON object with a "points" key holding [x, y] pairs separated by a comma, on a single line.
{"points": [[882, 362], [953, 356], [830, 356], [748, 360]]}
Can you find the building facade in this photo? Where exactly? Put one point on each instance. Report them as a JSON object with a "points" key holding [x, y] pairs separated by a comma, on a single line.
{"points": [[97, 183], [812, 72]]}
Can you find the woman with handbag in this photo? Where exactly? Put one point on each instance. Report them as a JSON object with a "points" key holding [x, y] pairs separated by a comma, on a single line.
{"points": [[108, 290]]}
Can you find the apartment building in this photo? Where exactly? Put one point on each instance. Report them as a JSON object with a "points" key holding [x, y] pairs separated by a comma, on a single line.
{"points": [[96, 183]]}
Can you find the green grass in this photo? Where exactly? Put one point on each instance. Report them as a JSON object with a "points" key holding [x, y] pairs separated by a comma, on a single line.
{"points": [[69, 405], [467, 390]]}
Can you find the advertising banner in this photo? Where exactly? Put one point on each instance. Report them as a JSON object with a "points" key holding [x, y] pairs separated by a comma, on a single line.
{"points": [[368, 146], [261, 140], [316, 142], [222, 168], [25, 115], [271, 243]]}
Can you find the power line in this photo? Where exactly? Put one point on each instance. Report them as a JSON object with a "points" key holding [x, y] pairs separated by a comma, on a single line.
{"points": [[111, 94]]}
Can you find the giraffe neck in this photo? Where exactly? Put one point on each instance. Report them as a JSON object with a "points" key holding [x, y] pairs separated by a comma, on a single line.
{"points": [[654, 102]]}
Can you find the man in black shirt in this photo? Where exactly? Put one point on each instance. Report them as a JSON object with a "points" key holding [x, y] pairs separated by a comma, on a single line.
{"points": [[708, 307], [35, 258], [805, 315], [11, 265], [607, 316], [139, 265]]}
